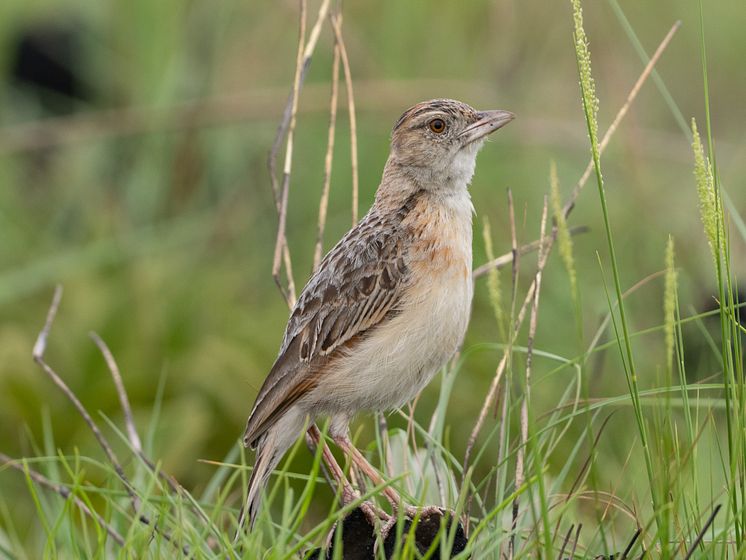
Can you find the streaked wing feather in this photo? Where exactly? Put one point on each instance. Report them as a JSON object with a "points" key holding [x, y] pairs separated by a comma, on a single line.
{"points": [[358, 284]]}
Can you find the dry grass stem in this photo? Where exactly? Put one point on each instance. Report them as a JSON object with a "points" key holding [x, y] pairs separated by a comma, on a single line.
{"points": [[566, 540], [38, 356], [507, 258], [336, 21], [621, 114], [631, 543], [111, 363], [701, 534], [513, 248], [282, 194], [520, 475], [328, 159], [490, 397], [583, 469], [62, 490], [132, 435], [577, 539], [40, 346], [303, 62], [287, 130]]}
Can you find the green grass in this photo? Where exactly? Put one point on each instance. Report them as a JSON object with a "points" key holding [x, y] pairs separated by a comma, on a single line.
{"points": [[163, 239]]}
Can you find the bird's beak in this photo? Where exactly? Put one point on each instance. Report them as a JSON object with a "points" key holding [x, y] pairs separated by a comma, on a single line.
{"points": [[489, 121]]}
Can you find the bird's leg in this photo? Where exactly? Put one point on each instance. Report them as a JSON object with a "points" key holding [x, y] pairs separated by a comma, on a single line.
{"points": [[349, 494], [344, 443]]}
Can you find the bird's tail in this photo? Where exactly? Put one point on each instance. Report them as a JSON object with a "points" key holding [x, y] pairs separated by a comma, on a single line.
{"points": [[269, 451], [267, 458]]}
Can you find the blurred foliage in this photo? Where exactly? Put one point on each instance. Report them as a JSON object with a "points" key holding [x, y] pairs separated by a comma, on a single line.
{"points": [[144, 191]]}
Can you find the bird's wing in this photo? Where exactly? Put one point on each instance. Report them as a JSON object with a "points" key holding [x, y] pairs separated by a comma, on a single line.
{"points": [[358, 284]]}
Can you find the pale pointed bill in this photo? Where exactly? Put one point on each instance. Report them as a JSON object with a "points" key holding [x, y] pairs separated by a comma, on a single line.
{"points": [[489, 121]]}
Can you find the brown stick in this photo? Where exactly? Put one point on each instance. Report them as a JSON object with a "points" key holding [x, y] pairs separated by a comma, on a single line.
{"points": [[513, 243], [305, 54], [577, 538]]}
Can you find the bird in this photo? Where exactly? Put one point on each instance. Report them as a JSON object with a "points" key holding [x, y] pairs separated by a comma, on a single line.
{"points": [[389, 304]]}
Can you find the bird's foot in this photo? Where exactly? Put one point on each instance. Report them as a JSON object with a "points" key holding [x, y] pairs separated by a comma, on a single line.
{"points": [[412, 513], [373, 513], [424, 523], [368, 532], [423, 512]]}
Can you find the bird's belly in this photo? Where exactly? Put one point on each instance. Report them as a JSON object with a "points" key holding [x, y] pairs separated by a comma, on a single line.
{"points": [[389, 367]]}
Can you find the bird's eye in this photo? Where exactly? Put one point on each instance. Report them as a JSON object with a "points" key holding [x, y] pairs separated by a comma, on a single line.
{"points": [[438, 126]]}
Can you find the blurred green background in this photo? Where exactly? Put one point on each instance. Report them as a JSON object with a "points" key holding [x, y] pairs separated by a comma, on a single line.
{"points": [[133, 146]]}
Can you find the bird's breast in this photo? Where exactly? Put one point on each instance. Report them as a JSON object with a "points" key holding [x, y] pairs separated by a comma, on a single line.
{"points": [[398, 358], [439, 299], [434, 311]]}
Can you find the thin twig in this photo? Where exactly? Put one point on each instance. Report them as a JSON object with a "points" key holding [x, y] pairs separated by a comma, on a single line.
{"points": [[288, 293], [517, 322], [577, 538], [287, 130], [584, 468], [622, 113], [40, 345], [588, 459], [701, 534], [491, 394], [132, 434], [513, 245], [258, 104], [533, 320], [336, 21], [564, 543], [38, 356], [324, 202], [305, 53], [490, 397], [63, 491], [507, 258], [514, 272], [111, 363], [383, 428], [632, 542]]}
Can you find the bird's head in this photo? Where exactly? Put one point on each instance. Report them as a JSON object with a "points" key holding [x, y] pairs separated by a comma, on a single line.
{"points": [[436, 142]]}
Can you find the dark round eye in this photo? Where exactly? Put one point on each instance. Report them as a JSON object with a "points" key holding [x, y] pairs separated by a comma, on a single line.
{"points": [[438, 126]]}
